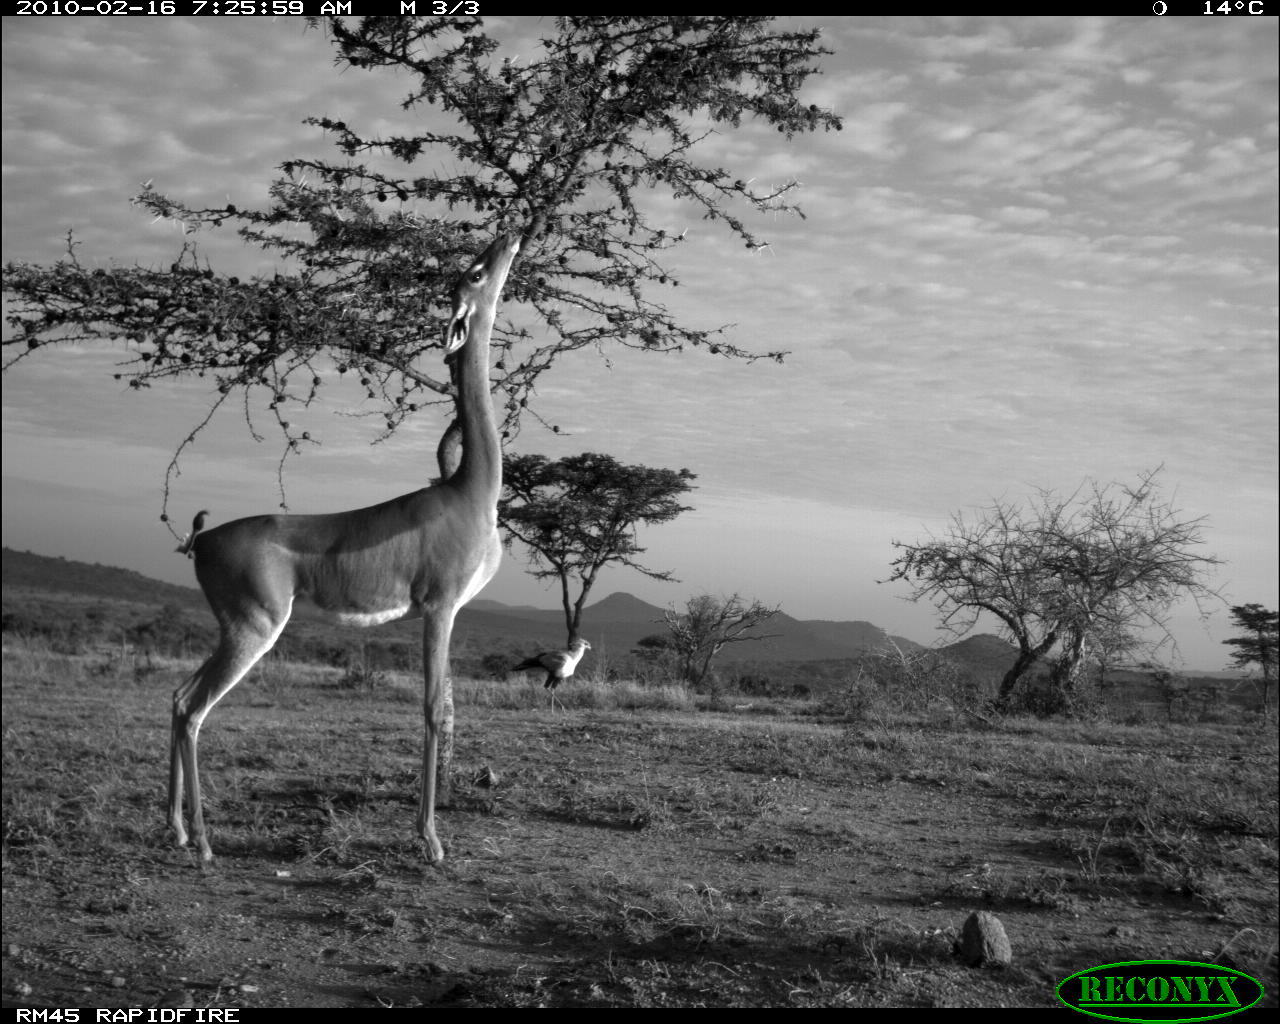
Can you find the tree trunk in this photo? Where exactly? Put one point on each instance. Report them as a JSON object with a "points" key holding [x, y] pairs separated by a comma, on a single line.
{"points": [[575, 623], [1027, 656], [566, 602], [1025, 660], [688, 667], [705, 668], [1066, 671]]}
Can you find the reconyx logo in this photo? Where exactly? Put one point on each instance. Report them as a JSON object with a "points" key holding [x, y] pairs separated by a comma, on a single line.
{"points": [[1163, 990]]}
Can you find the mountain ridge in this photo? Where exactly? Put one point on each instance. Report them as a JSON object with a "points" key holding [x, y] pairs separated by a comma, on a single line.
{"points": [[615, 623]]}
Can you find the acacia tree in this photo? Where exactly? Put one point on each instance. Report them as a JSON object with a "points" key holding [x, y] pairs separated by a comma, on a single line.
{"points": [[1067, 575], [709, 624], [1259, 645], [564, 140], [578, 514]]}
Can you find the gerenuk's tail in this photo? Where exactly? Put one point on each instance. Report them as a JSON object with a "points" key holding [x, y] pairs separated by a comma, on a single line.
{"points": [[197, 524]]}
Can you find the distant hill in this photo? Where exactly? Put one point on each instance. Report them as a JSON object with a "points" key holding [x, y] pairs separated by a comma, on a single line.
{"points": [[614, 624], [984, 653], [619, 621], [856, 637], [624, 608], [483, 604], [42, 573]]}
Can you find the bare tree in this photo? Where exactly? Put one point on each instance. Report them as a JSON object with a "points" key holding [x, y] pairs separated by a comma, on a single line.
{"points": [[1064, 574], [709, 624]]}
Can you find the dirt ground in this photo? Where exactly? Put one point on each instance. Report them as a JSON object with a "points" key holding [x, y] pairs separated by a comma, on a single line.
{"points": [[759, 857]]}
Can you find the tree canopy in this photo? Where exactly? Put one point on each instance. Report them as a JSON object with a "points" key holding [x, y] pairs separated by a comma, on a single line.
{"points": [[578, 514], [1076, 575], [566, 141], [1261, 638], [1260, 644]]}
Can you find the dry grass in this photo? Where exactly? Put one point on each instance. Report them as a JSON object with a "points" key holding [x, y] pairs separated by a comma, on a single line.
{"points": [[641, 848]]}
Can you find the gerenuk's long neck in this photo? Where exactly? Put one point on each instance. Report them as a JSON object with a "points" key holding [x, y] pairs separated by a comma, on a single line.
{"points": [[480, 468]]}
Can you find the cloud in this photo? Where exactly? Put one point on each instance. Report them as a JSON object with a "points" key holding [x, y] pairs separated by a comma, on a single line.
{"points": [[1022, 215], [871, 130]]}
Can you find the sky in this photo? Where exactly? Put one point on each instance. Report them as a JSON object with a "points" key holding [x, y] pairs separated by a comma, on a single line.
{"points": [[1042, 251]]}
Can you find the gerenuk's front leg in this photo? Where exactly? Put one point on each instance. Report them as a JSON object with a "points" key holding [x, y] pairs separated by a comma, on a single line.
{"points": [[435, 665]]}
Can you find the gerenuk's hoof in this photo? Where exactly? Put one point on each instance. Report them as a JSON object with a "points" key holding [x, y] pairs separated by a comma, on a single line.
{"points": [[435, 852]]}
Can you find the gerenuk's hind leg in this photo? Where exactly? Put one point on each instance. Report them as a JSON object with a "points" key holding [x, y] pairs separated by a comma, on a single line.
{"points": [[236, 654]]}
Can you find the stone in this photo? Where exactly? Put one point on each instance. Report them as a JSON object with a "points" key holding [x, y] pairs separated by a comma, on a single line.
{"points": [[983, 942]]}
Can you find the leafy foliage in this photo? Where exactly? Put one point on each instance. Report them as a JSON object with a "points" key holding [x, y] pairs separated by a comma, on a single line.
{"points": [[1258, 646], [564, 143], [1261, 640]]}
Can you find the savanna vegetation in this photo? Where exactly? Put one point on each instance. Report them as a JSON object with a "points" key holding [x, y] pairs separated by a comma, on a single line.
{"points": [[746, 843]]}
